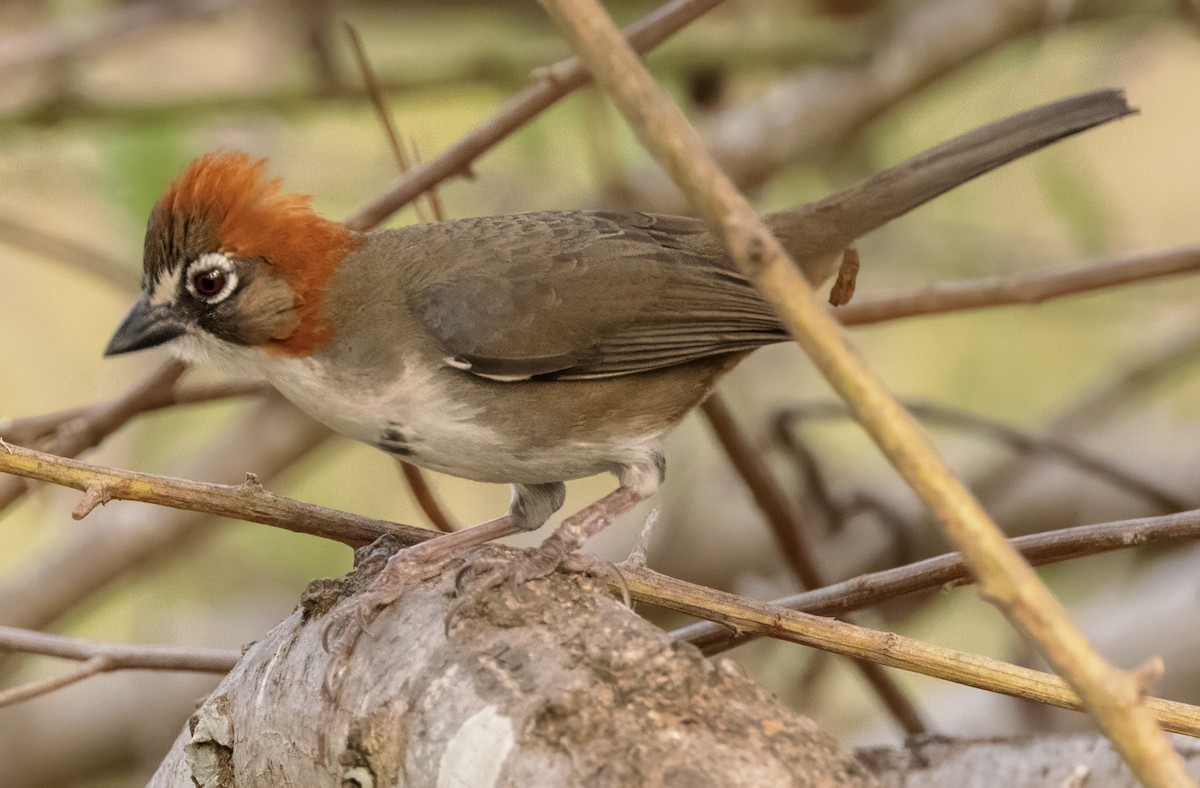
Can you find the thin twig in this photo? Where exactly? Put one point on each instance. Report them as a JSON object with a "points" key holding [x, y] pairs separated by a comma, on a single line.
{"points": [[885, 648], [123, 656], [54, 247], [99, 658], [948, 570], [1114, 697], [244, 502], [34, 689], [555, 82], [101, 29], [416, 481], [1018, 440], [790, 534], [89, 430], [1024, 289], [30, 429]]}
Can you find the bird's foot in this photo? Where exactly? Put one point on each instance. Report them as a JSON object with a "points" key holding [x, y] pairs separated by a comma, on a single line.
{"points": [[490, 568], [404, 569]]}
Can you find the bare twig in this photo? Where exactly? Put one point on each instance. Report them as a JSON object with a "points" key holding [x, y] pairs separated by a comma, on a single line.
{"points": [[99, 658], [63, 250], [1107, 398], [225, 500], [772, 502], [1034, 288], [1112, 696], [89, 430], [886, 648], [33, 689], [789, 533], [1018, 440], [555, 82], [208, 660], [101, 29], [416, 481], [946, 570], [27, 431]]}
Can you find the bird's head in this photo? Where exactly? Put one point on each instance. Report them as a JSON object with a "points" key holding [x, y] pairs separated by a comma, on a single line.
{"points": [[228, 258]]}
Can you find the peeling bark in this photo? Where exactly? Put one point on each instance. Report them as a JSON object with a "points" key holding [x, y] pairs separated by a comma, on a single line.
{"points": [[561, 685]]}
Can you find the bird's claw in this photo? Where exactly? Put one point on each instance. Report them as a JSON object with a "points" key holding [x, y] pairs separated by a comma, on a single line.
{"points": [[489, 568], [347, 624]]}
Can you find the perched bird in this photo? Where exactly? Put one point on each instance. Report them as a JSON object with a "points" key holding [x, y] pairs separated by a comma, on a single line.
{"points": [[527, 349]]}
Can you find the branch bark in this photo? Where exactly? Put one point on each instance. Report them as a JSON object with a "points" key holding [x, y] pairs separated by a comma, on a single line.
{"points": [[566, 687]]}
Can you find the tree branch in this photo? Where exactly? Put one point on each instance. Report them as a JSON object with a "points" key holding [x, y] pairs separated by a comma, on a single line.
{"points": [[555, 82], [1024, 289], [1112, 696], [248, 501], [949, 570]]}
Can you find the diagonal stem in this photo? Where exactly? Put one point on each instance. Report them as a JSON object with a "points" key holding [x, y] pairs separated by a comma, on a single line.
{"points": [[1114, 697]]}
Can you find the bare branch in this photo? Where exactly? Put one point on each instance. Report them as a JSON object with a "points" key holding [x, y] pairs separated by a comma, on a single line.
{"points": [[27, 641], [1111, 695], [554, 82], [1024, 289], [885, 648], [790, 534], [103, 658], [949, 570], [246, 501], [1018, 440]]}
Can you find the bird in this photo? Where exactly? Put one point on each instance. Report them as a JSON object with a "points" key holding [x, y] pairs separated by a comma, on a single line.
{"points": [[528, 349]]}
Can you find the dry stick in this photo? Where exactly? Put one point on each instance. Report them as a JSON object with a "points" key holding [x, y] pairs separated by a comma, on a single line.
{"points": [[1150, 369], [789, 533], [26, 431], [247, 501], [949, 570], [101, 29], [1023, 442], [417, 484], [741, 614], [207, 660], [554, 82], [104, 267], [1033, 288], [103, 657], [90, 430], [887, 648], [1114, 697]]}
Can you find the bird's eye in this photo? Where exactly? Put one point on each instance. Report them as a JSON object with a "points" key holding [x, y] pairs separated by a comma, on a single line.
{"points": [[209, 283], [211, 278]]}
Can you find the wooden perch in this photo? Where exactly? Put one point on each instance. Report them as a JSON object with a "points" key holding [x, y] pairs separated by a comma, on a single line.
{"points": [[561, 686]]}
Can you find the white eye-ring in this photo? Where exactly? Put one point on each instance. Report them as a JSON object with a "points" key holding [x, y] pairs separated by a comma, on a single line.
{"points": [[211, 278]]}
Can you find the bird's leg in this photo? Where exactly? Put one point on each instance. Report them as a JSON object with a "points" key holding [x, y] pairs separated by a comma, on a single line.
{"points": [[531, 506], [560, 549]]}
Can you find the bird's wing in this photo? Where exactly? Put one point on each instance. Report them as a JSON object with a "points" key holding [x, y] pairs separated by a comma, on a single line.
{"points": [[577, 295]]}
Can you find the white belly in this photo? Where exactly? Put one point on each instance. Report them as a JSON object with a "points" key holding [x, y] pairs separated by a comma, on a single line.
{"points": [[435, 429]]}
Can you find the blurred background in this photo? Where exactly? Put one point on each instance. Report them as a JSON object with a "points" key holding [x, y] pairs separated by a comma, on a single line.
{"points": [[103, 103]]}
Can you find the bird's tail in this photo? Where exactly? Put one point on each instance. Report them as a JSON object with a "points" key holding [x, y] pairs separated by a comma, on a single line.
{"points": [[819, 231]]}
